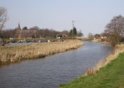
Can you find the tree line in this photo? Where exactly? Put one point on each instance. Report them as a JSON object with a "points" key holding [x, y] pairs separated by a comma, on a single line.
{"points": [[114, 30], [33, 32]]}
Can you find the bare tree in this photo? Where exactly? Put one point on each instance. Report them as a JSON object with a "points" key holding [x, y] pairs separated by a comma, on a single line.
{"points": [[3, 17], [115, 30]]}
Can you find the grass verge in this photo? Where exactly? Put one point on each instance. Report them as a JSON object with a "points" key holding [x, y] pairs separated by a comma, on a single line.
{"points": [[110, 76]]}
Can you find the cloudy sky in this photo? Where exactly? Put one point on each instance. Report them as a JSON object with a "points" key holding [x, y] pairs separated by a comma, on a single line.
{"points": [[89, 15]]}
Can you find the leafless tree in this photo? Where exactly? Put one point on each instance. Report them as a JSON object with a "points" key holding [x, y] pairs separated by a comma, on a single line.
{"points": [[116, 25], [115, 29], [3, 17]]}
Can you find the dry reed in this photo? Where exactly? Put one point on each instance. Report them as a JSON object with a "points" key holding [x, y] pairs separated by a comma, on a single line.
{"points": [[38, 50]]}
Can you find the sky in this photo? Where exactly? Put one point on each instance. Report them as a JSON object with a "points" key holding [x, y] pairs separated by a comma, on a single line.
{"points": [[90, 16]]}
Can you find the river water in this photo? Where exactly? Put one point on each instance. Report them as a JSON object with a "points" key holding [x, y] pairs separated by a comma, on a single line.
{"points": [[54, 70]]}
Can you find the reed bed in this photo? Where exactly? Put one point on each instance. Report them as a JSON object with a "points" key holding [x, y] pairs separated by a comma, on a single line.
{"points": [[18, 53]]}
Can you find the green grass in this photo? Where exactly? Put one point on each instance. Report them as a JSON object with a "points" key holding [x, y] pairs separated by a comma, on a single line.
{"points": [[111, 76]]}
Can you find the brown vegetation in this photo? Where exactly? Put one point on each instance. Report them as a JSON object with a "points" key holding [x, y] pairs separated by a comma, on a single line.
{"points": [[38, 50]]}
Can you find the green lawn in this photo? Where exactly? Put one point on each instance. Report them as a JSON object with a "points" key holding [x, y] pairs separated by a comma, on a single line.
{"points": [[111, 76]]}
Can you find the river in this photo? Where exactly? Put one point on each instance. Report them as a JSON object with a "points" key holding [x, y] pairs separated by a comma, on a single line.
{"points": [[51, 71]]}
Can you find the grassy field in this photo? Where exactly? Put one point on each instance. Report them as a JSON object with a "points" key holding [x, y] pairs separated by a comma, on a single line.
{"points": [[18, 53], [109, 76]]}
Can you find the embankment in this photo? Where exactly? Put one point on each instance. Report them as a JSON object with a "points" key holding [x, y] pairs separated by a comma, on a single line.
{"points": [[107, 73], [10, 55]]}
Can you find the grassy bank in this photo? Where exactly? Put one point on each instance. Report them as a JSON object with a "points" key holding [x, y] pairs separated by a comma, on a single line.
{"points": [[18, 53], [107, 74]]}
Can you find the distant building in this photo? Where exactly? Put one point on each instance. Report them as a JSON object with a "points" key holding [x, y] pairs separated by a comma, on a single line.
{"points": [[61, 36], [18, 32], [23, 32]]}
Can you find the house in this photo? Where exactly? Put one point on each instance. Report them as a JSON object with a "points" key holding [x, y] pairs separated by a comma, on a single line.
{"points": [[61, 36]]}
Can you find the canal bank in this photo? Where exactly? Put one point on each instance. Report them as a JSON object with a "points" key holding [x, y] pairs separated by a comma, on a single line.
{"points": [[53, 70], [15, 54], [108, 73]]}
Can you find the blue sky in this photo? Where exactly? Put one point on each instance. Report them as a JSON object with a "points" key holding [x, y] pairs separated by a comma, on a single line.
{"points": [[89, 15]]}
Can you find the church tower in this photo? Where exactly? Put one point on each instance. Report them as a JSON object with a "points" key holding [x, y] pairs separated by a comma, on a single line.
{"points": [[19, 31]]}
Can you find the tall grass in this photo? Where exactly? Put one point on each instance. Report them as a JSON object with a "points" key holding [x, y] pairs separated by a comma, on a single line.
{"points": [[38, 50]]}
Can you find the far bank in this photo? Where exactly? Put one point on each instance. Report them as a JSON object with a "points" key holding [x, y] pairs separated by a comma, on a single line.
{"points": [[10, 55]]}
